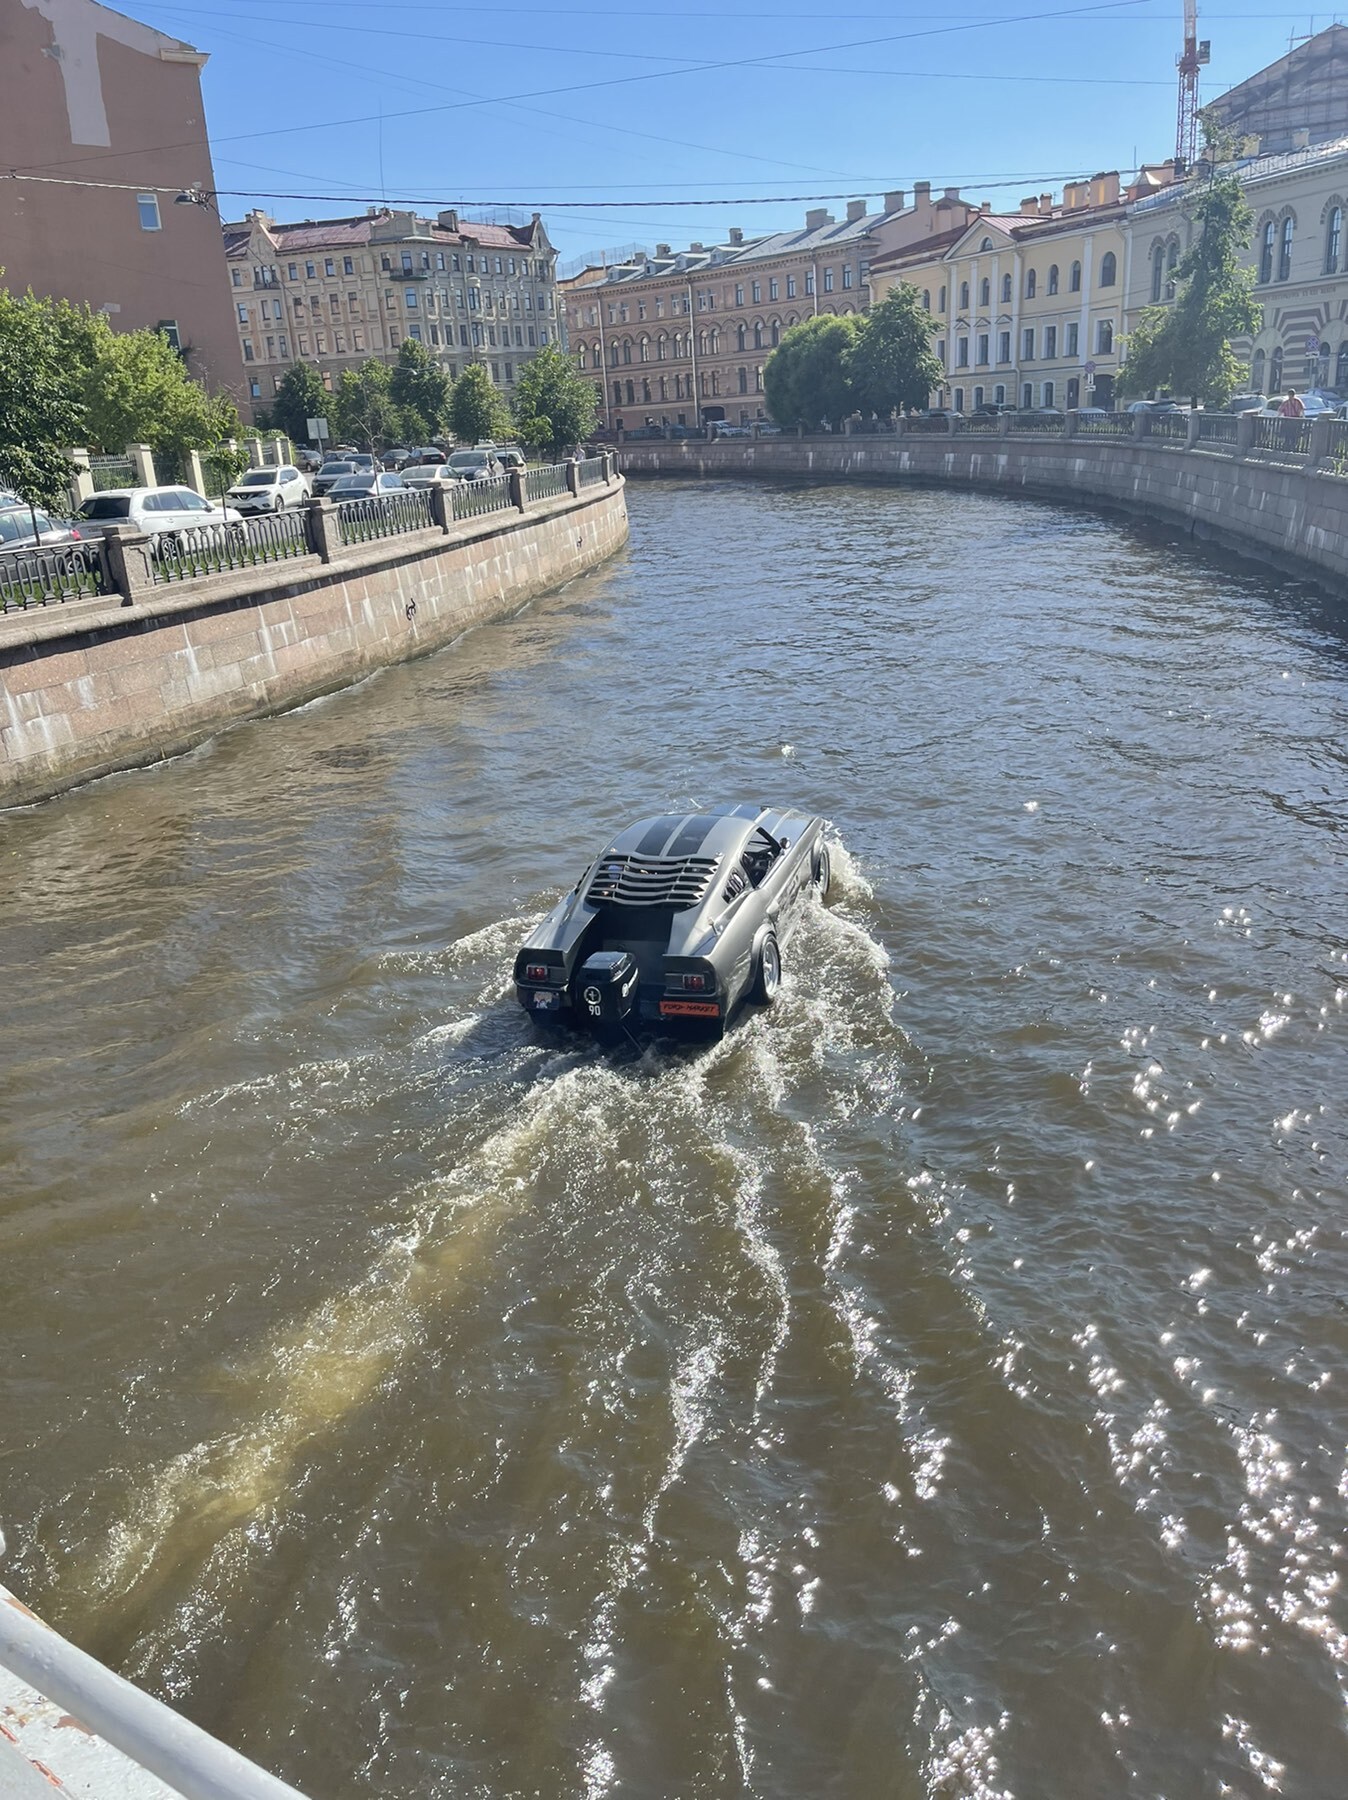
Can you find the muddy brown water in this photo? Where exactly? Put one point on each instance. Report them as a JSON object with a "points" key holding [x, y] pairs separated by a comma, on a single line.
{"points": [[939, 1388]]}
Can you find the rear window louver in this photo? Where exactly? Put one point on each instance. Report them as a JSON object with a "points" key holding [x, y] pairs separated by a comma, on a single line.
{"points": [[678, 881]]}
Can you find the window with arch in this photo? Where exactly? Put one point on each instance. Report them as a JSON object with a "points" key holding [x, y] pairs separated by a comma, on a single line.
{"points": [[793, 320], [1285, 248], [986, 244], [1104, 337], [627, 350], [716, 340], [1333, 240], [758, 334], [1171, 264], [1053, 278], [1341, 366], [644, 350], [1074, 279], [1275, 371], [1031, 284], [775, 332], [741, 336], [941, 303], [613, 354], [661, 347], [1266, 242], [964, 296], [1109, 269], [1157, 273], [926, 299], [1257, 371], [1006, 290], [985, 292]]}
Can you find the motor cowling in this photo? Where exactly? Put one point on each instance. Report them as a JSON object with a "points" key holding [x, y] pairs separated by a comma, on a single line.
{"points": [[606, 987]]}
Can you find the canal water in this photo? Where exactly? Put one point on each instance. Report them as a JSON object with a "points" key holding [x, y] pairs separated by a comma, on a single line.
{"points": [[939, 1388]]}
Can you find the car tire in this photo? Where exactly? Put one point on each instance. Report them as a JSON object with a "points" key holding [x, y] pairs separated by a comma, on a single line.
{"points": [[279, 504], [823, 872], [767, 971]]}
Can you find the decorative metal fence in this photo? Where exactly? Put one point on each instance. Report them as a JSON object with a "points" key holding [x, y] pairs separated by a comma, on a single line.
{"points": [[547, 483], [213, 549], [1112, 425], [593, 471], [112, 472], [474, 498], [987, 426], [927, 427], [51, 574], [1172, 427], [1218, 428], [1337, 456], [1292, 436], [1039, 424], [384, 515]]}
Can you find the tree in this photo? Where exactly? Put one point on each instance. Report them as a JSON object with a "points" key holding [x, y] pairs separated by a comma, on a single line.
{"points": [[893, 366], [808, 377], [421, 389], [138, 392], [365, 409], [42, 409], [223, 466], [1186, 348], [300, 397], [554, 403], [476, 411]]}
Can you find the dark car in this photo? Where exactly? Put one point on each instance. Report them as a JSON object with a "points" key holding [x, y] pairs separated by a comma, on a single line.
{"points": [[676, 922], [17, 532], [397, 459], [367, 484]]}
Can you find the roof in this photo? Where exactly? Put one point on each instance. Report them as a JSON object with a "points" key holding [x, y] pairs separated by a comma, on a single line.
{"points": [[921, 251], [1251, 170], [345, 234]]}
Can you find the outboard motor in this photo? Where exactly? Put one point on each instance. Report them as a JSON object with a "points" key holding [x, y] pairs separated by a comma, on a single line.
{"points": [[606, 989]]}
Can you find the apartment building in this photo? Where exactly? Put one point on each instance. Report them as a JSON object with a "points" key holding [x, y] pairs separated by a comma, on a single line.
{"points": [[101, 128], [334, 292], [680, 338], [1027, 307], [1299, 256]]}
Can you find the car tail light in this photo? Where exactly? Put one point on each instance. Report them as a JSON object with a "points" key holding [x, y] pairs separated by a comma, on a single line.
{"points": [[73, 532], [695, 984], [536, 972]]}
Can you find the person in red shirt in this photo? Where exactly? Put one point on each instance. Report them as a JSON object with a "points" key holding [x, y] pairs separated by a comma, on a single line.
{"points": [[1293, 407]]}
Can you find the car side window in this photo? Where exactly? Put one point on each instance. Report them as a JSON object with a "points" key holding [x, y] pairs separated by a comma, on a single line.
{"points": [[191, 502], [154, 503]]}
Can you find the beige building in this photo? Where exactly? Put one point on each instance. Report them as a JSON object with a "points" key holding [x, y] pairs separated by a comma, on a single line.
{"points": [[334, 292], [91, 216], [681, 337], [1299, 256], [1027, 307]]}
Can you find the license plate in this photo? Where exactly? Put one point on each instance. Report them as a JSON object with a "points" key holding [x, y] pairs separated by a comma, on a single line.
{"points": [[689, 1009], [545, 1001]]}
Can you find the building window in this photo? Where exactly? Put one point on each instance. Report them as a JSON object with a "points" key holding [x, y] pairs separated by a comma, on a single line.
{"points": [[1341, 367], [348, 267], [959, 400], [1027, 343], [999, 394], [962, 353], [169, 328], [1171, 264], [1266, 242], [1109, 269], [1104, 337], [1333, 239], [809, 281], [1275, 371], [1048, 393], [964, 296], [985, 292], [790, 287], [1006, 290], [248, 355], [847, 275], [1053, 278], [293, 271], [1074, 279], [147, 206], [1157, 273], [757, 292], [983, 346], [243, 313], [1072, 339], [310, 272], [236, 276], [1027, 395], [1003, 346], [978, 398], [1031, 283], [774, 292], [1285, 249], [329, 266], [1050, 342], [410, 299], [1257, 372], [739, 296], [255, 389], [358, 339], [742, 377], [828, 282]]}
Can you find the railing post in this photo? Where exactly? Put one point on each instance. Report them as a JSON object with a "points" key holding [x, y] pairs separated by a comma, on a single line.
{"points": [[81, 479], [442, 507], [1195, 427], [515, 488], [1245, 432], [1141, 424], [1004, 424], [142, 461], [610, 466], [1320, 438], [1070, 422], [325, 534], [952, 423], [128, 554], [573, 476]]}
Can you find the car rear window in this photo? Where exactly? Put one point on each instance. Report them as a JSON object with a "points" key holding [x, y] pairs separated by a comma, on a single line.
{"points": [[107, 506]]}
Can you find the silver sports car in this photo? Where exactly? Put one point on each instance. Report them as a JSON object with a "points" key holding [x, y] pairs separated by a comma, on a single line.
{"points": [[676, 921]]}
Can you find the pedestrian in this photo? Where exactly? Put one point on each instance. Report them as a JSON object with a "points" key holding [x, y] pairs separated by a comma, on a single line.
{"points": [[1293, 407]]}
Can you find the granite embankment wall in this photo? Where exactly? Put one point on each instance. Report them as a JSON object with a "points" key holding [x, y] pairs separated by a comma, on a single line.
{"points": [[1283, 510], [93, 686]]}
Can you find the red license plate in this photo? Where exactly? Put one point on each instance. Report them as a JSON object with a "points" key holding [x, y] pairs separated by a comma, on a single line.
{"points": [[689, 1009]]}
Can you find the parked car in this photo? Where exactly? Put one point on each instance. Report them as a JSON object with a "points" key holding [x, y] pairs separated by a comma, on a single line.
{"points": [[1314, 407], [367, 484], [1243, 403], [510, 457], [676, 922], [362, 459], [331, 473], [309, 461], [427, 475], [1092, 412], [766, 428], [426, 456], [1156, 407], [474, 465], [992, 409], [16, 529], [723, 428], [155, 510], [395, 459], [269, 490]]}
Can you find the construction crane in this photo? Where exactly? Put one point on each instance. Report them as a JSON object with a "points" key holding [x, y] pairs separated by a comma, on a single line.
{"points": [[1196, 52]]}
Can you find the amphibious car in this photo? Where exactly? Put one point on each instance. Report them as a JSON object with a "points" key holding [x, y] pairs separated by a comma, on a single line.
{"points": [[676, 922]]}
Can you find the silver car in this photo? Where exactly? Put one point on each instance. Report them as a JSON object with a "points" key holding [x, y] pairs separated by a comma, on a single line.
{"points": [[677, 921]]}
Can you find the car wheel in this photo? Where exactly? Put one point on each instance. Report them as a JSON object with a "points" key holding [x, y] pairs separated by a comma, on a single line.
{"points": [[823, 872], [278, 505], [767, 972]]}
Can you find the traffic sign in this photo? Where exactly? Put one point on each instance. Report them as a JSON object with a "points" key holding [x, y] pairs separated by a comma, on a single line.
{"points": [[317, 429]]}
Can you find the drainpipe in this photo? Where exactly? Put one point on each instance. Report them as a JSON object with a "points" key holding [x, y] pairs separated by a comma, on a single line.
{"points": [[692, 351], [603, 363]]}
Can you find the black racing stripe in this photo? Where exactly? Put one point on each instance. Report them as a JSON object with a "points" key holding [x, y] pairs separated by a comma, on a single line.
{"points": [[693, 835], [659, 835]]}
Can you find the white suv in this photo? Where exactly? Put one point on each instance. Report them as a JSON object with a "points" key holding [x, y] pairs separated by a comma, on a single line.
{"points": [[154, 510], [269, 490]]}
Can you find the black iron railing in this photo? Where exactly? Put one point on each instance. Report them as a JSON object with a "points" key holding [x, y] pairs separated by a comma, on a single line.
{"points": [[385, 515], [593, 471], [1111, 425], [548, 483], [987, 426], [1218, 428], [474, 498], [1172, 427], [215, 549], [48, 575], [1292, 436], [927, 427], [1038, 424]]}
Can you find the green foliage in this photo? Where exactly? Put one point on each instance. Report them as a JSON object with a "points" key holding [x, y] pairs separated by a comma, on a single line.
{"points": [[893, 367], [42, 409], [223, 466], [362, 408], [137, 391], [476, 410], [1186, 348], [554, 403], [421, 389], [808, 377], [300, 397]]}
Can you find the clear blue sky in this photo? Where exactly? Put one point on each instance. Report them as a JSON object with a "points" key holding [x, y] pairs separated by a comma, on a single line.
{"points": [[653, 103]]}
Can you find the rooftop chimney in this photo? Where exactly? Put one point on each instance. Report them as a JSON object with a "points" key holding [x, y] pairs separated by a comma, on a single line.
{"points": [[816, 220], [856, 209], [736, 235], [693, 247], [950, 193], [1029, 207], [921, 193], [1301, 140], [1046, 203], [449, 219], [895, 202], [662, 249]]}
